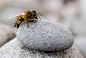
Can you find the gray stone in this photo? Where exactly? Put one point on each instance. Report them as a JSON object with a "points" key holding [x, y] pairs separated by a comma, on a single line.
{"points": [[80, 43], [45, 36], [6, 33], [13, 49]]}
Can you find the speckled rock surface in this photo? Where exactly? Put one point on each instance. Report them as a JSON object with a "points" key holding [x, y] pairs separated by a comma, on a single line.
{"points": [[45, 36], [13, 49]]}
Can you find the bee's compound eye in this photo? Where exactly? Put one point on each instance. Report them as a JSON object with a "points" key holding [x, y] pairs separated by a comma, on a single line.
{"points": [[34, 13]]}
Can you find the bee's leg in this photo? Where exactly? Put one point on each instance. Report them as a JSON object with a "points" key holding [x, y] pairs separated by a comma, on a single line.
{"points": [[34, 20], [16, 27], [39, 16], [26, 22]]}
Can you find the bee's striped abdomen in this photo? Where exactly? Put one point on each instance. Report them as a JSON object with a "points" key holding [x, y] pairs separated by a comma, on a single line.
{"points": [[17, 22]]}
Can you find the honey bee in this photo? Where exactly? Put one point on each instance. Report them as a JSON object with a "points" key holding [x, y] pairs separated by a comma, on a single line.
{"points": [[27, 16]]}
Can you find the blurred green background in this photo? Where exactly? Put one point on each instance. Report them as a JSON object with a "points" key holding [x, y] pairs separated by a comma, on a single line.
{"points": [[70, 13]]}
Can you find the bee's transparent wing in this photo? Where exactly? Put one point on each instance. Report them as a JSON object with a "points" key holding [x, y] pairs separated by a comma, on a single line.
{"points": [[13, 16], [17, 15]]}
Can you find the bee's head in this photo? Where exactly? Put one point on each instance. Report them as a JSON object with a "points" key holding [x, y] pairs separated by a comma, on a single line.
{"points": [[34, 13], [31, 14]]}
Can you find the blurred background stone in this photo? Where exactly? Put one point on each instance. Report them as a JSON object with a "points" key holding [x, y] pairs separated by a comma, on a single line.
{"points": [[80, 42], [6, 33], [18, 51]]}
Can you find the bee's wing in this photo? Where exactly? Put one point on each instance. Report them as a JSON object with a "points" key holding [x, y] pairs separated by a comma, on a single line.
{"points": [[16, 16]]}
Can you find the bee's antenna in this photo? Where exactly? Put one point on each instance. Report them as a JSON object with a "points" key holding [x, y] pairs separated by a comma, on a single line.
{"points": [[39, 16]]}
